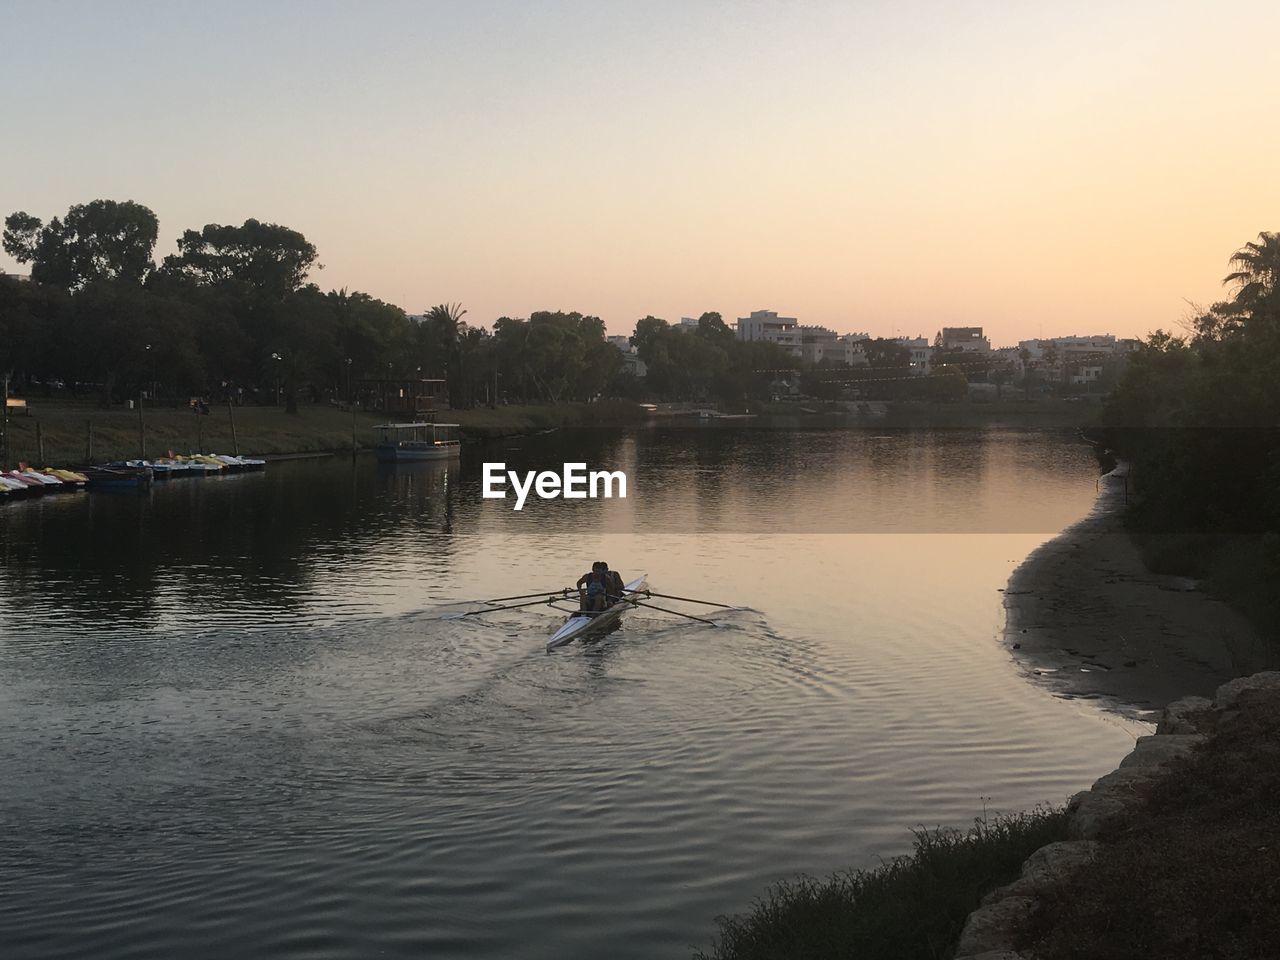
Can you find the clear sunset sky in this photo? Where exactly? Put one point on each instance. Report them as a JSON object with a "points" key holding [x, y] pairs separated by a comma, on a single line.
{"points": [[1032, 167]]}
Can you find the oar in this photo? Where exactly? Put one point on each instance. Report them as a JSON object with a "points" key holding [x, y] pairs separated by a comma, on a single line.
{"points": [[526, 596], [676, 612], [667, 596], [548, 600]]}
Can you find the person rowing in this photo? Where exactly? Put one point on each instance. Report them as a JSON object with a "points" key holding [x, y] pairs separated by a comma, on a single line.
{"points": [[599, 589]]}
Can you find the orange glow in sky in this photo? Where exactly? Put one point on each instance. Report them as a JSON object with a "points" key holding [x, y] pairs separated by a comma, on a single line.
{"points": [[1033, 168]]}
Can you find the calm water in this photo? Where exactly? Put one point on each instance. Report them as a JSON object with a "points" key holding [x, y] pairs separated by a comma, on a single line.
{"points": [[239, 717]]}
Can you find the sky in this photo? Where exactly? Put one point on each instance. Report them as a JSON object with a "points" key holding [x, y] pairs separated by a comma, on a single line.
{"points": [[1035, 168]]}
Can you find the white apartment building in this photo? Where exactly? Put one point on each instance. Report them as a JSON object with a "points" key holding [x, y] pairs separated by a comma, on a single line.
{"points": [[823, 344], [767, 325], [921, 354], [1071, 349]]}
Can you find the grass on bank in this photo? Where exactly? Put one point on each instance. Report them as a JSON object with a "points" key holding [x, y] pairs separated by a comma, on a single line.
{"points": [[1194, 874], [65, 428], [909, 908]]}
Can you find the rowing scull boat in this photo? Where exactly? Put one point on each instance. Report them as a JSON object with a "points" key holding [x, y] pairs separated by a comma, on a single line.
{"points": [[588, 621]]}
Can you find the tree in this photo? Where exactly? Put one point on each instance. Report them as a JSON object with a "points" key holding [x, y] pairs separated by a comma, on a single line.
{"points": [[442, 328], [1049, 358], [647, 334], [110, 333], [32, 338], [712, 327], [267, 257], [1257, 271], [888, 371], [946, 384], [96, 241], [367, 334]]}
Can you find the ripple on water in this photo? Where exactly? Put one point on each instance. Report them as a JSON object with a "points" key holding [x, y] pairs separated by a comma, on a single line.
{"points": [[271, 740]]}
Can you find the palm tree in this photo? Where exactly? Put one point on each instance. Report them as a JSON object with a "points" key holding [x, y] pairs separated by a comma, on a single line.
{"points": [[1257, 270], [444, 322], [445, 319]]}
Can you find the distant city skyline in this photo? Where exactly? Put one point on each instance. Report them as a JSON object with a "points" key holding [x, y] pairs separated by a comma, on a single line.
{"points": [[894, 168]]}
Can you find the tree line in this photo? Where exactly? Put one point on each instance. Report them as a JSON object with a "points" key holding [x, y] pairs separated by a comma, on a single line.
{"points": [[234, 314], [1198, 416]]}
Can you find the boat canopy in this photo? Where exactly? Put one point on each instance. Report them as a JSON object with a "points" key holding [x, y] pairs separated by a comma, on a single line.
{"points": [[414, 426]]}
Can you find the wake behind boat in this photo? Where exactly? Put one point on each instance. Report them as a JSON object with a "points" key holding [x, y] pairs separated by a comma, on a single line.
{"points": [[590, 621]]}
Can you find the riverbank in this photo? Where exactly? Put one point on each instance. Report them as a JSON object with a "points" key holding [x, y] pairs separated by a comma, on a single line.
{"points": [[1088, 619], [76, 433], [910, 908], [1172, 854], [1051, 413]]}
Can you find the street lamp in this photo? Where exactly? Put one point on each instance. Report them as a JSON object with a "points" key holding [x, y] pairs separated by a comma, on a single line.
{"points": [[277, 358], [152, 394]]}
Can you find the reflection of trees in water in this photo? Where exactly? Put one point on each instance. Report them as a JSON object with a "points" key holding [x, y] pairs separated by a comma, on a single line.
{"points": [[250, 540]]}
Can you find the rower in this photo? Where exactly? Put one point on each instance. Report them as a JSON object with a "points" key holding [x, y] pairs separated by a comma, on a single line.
{"points": [[594, 587], [613, 580]]}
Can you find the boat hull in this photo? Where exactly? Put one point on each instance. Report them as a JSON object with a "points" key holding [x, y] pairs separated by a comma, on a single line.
{"points": [[583, 624], [394, 453]]}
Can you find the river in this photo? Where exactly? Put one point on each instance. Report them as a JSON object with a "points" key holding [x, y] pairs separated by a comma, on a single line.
{"points": [[241, 717]]}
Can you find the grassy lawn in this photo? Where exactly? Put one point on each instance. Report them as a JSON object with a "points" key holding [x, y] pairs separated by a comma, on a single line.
{"points": [[64, 427], [911, 908]]}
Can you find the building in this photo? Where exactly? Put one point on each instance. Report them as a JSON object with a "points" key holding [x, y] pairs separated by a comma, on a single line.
{"points": [[1075, 359], [1086, 374], [768, 326], [818, 344], [921, 351], [686, 325], [963, 338], [415, 398], [630, 359]]}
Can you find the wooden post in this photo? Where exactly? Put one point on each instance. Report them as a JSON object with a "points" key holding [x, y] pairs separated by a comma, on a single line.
{"points": [[199, 434], [88, 442], [142, 433], [235, 443], [4, 426], [39, 446], [354, 446]]}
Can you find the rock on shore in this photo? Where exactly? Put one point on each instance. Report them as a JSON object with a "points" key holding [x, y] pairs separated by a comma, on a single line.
{"points": [[994, 930]]}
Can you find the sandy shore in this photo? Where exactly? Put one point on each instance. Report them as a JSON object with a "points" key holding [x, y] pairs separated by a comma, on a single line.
{"points": [[1085, 617]]}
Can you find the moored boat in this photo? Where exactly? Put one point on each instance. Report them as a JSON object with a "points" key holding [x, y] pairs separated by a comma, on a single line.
{"points": [[199, 466], [416, 441], [50, 482], [11, 487], [70, 478], [119, 476], [31, 484], [586, 622], [166, 467]]}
